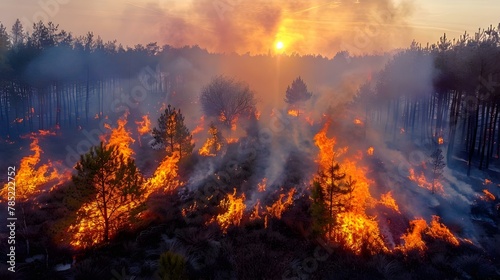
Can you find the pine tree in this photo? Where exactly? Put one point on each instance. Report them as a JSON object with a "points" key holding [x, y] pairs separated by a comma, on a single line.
{"points": [[17, 34], [437, 161], [331, 179], [111, 182], [319, 210], [297, 93], [172, 134], [4, 48]]}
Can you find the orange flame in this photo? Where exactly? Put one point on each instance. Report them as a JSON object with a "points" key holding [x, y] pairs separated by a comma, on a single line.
{"points": [[354, 229], [293, 112], [440, 231], [234, 208], [231, 140], [261, 187], [357, 231], [488, 196], [440, 141], [358, 122], [422, 182], [121, 137], [370, 151], [413, 238], [213, 144], [28, 177], [280, 205], [255, 213], [389, 201], [144, 126], [165, 178], [199, 127], [418, 227], [45, 132]]}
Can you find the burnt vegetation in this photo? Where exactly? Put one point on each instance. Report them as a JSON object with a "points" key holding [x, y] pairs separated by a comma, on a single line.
{"points": [[254, 195]]}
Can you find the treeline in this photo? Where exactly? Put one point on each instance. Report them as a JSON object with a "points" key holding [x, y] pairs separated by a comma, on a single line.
{"points": [[445, 93], [50, 78]]}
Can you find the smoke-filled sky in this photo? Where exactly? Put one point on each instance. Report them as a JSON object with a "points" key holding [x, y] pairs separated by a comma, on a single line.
{"points": [[307, 27]]}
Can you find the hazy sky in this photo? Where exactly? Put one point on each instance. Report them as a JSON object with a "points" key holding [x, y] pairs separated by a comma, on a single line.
{"points": [[312, 26]]}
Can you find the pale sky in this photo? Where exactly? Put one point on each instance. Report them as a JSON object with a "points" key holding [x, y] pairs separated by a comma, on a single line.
{"points": [[312, 26]]}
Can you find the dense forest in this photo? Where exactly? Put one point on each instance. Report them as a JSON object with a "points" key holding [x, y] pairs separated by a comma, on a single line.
{"points": [[445, 92], [156, 162]]}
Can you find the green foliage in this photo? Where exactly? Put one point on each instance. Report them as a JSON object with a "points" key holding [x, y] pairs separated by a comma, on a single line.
{"points": [[319, 210], [172, 133], [172, 267], [336, 188], [104, 176]]}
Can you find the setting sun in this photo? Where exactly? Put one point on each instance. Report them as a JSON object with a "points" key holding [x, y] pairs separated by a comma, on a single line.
{"points": [[279, 45]]}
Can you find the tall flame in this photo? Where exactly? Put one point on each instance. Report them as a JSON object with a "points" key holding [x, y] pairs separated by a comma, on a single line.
{"points": [[280, 205], [234, 208], [121, 137], [353, 228], [165, 178], [29, 177], [387, 200]]}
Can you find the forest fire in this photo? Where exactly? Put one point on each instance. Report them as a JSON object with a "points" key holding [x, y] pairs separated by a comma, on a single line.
{"points": [[353, 226], [422, 182], [281, 204], [488, 196], [413, 238], [388, 201], [144, 126], [200, 127], [42, 132], [122, 138], [293, 112], [165, 177], [418, 227], [213, 144], [261, 187], [30, 176], [233, 208], [255, 165]]}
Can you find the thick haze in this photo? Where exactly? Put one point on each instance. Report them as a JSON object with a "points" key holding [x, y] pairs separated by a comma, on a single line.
{"points": [[306, 27]]}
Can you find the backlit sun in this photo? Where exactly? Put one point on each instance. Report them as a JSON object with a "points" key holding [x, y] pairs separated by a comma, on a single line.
{"points": [[279, 45]]}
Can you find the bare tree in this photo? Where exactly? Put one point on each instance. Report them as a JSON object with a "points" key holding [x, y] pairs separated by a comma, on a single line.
{"points": [[227, 99], [437, 161]]}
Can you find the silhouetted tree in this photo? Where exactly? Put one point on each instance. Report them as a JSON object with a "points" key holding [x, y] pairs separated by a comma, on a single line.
{"points": [[297, 94], [331, 179], [172, 134], [17, 34], [227, 99], [437, 161]]}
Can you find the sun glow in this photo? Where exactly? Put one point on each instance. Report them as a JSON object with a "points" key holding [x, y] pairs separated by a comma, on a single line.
{"points": [[279, 45]]}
